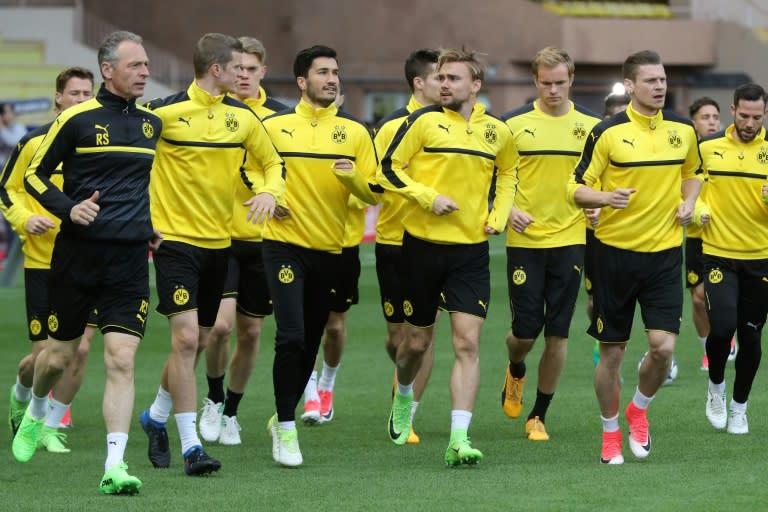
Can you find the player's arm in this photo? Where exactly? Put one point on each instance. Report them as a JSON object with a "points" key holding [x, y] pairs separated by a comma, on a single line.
{"points": [[262, 153], [13, 197], [392, 174], [359, 176], [57, 144], [690, 172], [507, 161]]}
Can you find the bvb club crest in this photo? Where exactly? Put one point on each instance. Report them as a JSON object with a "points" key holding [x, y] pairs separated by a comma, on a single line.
{"points": [[715, 276], [490, 134], [762, 155], [180, 296], [673, 139], [579, 132], [285, 275], [35, 326], [147, 130], [53, 323], [693, 277], [519, 277], [389, 309], [339, 135], [407, 308], [230, 122]]}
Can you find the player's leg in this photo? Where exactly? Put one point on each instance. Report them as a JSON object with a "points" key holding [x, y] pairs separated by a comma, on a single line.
{"points": [[216, 358]]}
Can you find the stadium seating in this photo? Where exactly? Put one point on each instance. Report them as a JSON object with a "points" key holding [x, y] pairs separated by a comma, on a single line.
{"points": [[26, 75], [597, 9]]}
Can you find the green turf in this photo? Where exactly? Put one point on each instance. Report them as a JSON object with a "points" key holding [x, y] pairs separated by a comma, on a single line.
{"points": [[351, 465]]}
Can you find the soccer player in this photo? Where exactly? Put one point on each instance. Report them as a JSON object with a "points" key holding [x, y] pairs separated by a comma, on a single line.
{"points": [[105, 147], [328, 154], [545, 245], [245, 300], [421, 75], [645, 159], [613, 104], [196, 171], [38, 229], [443, 159], [705, 114], [735, 247]]}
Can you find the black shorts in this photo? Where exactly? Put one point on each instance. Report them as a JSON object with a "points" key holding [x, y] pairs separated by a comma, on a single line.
{"points": [[455, 278], [36, 297], [543, 287], [112, 277], [246, 280], [694, 264], [345, 290], [389, 272], [190, 278], [627, 277], [300, 282], [737, 292], [590, 261]]}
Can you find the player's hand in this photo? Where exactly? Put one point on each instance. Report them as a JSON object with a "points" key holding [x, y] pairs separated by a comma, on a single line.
{"points": [[443, 205], [154, 242], [701, 214], [619, 198], [684, 213], [489, 230], [281, 212], [343, 164], [38, 224], [261, 207], [519, 221], [593, 216], [85, 211]]}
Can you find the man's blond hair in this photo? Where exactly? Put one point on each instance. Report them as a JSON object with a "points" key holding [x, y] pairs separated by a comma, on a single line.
{"points": [[470, 58], [550, 57], [254, 47]]}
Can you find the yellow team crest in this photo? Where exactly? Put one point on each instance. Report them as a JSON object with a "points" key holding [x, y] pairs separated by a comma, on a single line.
{"points": [[53, 323], [339, 135], [519, 276], [673, 139], [230, 122], [35, 327], [599, 324], [578, 131], [490, 133], [285, 275], [180, 296], [147, 130], [715, 276], [762, 155], [389, 309], [693, 277], [407, 308], [588, 284]]}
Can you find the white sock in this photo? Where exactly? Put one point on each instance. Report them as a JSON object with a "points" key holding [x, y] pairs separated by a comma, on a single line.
{"points": [[23, 393], [161, 407], [310, 391], [717, 389], [287, 425], [737, 407], [640, 400], [56, 411], [186, 422], [38, 406], [116, 442], [703, 340], [414, 406], [328, 377], [610, 424], [460, 420], [404, 390]]}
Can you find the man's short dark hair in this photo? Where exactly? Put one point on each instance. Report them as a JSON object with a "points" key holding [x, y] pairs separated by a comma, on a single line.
{"points": [[615, 100], [418, 64], [307, 56], [634, 61], [699, 103], [748, 92]]}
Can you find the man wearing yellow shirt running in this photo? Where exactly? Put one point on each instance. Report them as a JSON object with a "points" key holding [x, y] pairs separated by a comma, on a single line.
{"points": [[645, 159], [735, 247]]}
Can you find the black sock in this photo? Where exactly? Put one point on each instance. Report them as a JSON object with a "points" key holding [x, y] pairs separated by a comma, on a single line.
{"points": [[215, 389], [231, 403], [542, 404], [517, 369]]}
